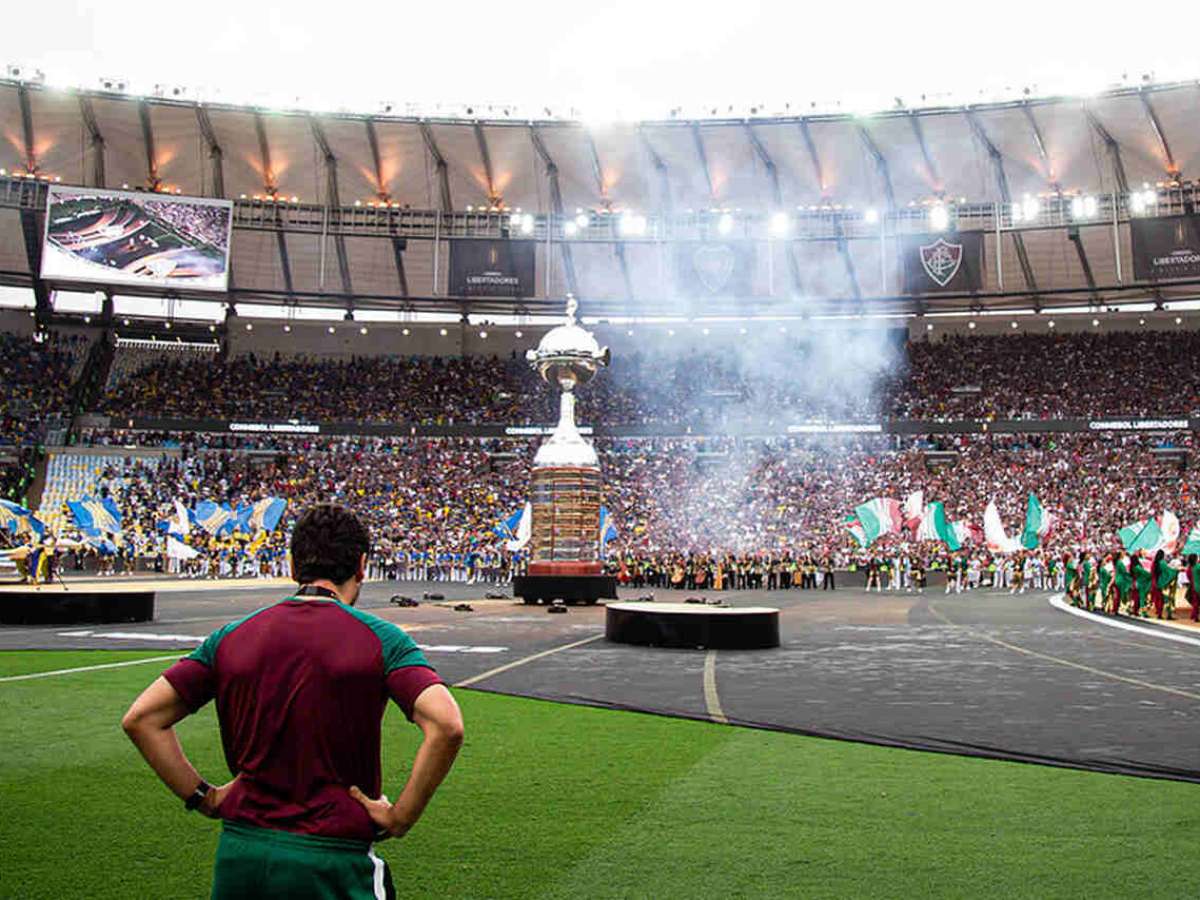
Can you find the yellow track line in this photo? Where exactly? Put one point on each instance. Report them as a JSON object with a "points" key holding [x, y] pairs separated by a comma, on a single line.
{"points": [[711, 701]]}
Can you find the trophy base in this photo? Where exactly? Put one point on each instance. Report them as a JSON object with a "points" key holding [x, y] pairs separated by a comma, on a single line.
{"points": [[568, 588]]}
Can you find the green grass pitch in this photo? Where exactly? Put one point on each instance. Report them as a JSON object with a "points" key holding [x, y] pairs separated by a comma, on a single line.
{"points": [[564, 801]]}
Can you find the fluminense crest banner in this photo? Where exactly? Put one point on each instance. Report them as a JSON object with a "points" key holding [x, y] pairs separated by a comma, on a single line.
{"points": [[936, 263], [714, 269]]}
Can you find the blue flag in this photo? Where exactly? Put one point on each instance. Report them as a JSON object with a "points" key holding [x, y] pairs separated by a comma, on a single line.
{"points": [[16, 519], [91, 514], [215, 518], [608, 531], [262, 515], [507, 528]]}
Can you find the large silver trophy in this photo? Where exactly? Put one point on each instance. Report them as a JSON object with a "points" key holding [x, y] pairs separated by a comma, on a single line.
{"points": [[564, 560]]}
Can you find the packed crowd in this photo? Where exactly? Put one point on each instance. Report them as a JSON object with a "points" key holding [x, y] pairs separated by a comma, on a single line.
{"points": [[208, 223], [35, 383], [1027, 376], [747, 508]]}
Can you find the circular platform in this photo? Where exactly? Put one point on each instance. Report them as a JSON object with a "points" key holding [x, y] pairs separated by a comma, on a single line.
{"points": [[56, 604], [692, 625]]}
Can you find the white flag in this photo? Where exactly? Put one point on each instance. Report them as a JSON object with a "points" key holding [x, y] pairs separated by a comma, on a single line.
{"points": [[177, 549], [524, 530], [993, 532], [180, 525], [914, 510]]}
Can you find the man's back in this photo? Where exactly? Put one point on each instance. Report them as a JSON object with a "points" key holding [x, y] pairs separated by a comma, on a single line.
{"points": [[301, 688]]}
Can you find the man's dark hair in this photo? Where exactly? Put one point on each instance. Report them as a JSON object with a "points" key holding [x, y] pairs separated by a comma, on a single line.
{"points": [[328, 542]]}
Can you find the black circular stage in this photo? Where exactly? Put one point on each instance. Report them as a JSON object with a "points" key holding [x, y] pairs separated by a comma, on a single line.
{"points": [[85, 604], [693, 625]]}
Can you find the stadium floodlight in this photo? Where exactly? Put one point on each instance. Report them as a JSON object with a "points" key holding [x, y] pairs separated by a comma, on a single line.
{"points": [[1077, 208], [741, 331], [1141, 201], [363, 330], [1016, 213], [1178, 320], [570, 229], [631, 224], [526, 224], [939, 217], [871, 216], [332, 330], [725, 223], [780, 224], [287, 329], [1050, 324], [443, 332], [518, 334], [1090, 206], [249, 326], [581, 220], [1030, 207], [971, 325], [405, 332], [1014, 324], [1095, 323]]}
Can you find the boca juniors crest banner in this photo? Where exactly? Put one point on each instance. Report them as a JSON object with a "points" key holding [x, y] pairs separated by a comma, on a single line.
{"points": [[934, 263], [704, 269], [492, 268], [1167, 247]]}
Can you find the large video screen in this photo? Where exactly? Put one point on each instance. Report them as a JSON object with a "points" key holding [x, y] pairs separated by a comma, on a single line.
{"points": [[123, 237]]}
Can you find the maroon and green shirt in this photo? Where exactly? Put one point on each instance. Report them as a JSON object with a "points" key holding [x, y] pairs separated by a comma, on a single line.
{"points": [[301, 688]]}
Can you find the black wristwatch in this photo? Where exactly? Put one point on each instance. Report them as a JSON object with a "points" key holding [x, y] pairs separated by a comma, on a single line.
{"points": [[193, 802]]}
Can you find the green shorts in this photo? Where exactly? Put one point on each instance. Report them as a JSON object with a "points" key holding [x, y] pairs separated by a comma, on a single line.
{"points": [[264, 863]]}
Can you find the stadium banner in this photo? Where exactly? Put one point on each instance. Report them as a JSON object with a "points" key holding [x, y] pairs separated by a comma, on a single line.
{"points": [[1166, 247], [499, 430], [482, 268], [706, 269], [942, 263], [128, 237]]}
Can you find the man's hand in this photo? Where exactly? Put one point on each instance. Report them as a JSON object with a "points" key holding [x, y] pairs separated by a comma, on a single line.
{"points": [[437, 715], [211, 803], [382, 813]]}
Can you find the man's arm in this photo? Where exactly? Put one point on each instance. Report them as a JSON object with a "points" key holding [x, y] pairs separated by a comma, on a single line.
{"points": [[150, 724], [438, 716]]}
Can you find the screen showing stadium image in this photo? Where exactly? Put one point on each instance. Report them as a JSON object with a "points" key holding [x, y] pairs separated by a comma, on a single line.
{"points": [[125, 237]]}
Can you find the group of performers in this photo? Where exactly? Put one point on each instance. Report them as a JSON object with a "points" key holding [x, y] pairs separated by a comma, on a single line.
{"points": [[37, 560], [723, 572], [1133, 584]]}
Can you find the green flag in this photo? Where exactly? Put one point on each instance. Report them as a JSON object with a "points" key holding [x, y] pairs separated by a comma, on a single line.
{"points": [[1192, 541], [1038, 523], [1148, 537], [935, 527]]}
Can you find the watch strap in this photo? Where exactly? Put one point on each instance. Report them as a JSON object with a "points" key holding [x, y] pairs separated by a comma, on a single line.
{"points": [[193, 802]]}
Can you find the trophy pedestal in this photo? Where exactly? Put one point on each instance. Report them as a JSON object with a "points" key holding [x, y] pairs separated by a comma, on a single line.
{"points": [[568, 588]]}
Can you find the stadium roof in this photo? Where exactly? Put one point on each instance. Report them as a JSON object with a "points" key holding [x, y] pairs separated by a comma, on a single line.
{"points": [[397, 182]]}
